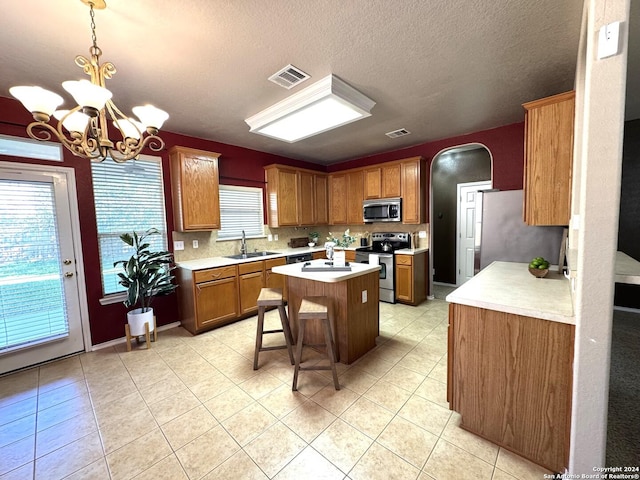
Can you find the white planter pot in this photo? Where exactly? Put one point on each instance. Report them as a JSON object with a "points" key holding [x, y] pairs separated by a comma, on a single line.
{"points": [[136, 319]]}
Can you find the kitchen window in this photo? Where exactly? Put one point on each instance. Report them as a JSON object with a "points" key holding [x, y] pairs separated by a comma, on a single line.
{"points": [[241, 208], [128, 197]]}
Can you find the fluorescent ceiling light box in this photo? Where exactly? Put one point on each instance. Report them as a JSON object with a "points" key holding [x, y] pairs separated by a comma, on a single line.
{"points": [[327, 104]]}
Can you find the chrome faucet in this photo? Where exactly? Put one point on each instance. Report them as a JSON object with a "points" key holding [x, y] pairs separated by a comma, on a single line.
{"points": [[243, 245]]}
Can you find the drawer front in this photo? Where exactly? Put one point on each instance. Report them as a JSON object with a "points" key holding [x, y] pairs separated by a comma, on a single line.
{"points": [[251, 267], [269, 264], [210, 274], [404, 260]]}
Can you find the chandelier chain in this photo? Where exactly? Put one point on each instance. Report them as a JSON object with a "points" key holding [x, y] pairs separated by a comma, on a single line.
{"points": [[94, 38]]}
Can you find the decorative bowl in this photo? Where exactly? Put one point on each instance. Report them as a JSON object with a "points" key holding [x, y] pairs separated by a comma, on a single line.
{"points": [[311, 244], [539, 273]]}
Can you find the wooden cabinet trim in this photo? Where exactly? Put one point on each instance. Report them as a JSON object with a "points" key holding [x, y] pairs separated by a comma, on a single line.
{"points": [[210, 274], [250, 267]]}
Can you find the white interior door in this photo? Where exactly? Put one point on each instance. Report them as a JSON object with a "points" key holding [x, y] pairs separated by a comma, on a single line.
{"points": [[40, 303], [467, 196]]}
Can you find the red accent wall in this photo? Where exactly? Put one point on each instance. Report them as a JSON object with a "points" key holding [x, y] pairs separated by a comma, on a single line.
{"points": [[506, 145], [238, 166]]}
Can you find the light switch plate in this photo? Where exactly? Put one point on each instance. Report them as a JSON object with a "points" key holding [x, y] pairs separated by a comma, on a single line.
{"points": [[422, 234], [364, 296], [609, 40], [178, 245]]}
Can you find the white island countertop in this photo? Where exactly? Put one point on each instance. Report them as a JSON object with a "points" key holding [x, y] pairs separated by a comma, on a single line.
{"points": [[295, 270], [509, 287]]}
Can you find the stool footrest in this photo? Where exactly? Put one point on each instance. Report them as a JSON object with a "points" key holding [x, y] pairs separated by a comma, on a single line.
{"points": [[328, 367], [277, 347], [273, 331]]}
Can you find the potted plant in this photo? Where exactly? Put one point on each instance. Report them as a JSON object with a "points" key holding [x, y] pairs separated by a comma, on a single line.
{"points": [[146, 274], [313, 237]]}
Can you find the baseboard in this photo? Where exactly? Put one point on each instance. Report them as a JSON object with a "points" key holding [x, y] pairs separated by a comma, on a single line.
{"points": [[118, 341]]}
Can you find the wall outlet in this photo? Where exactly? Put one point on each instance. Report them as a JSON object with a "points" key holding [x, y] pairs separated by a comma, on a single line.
{"points": [[422, 234], [275, 237], [178, 245], [364, 296], [195, 244], [270, 238]]}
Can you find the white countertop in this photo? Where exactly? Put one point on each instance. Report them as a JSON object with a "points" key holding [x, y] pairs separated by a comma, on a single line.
{"points": [[627, 269], [411, 251], [509, 287], [295, 270], [212, 262]]}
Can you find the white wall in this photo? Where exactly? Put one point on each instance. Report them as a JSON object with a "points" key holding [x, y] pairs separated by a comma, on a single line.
{"points": [[600, 97]]}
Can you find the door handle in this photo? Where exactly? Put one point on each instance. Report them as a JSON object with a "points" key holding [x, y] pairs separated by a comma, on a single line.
{"points": [[68, 274], [66, 261]]}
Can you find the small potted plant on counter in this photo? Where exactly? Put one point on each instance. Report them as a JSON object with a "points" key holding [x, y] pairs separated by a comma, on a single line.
{"points": [[146, 274], [313, 237]]}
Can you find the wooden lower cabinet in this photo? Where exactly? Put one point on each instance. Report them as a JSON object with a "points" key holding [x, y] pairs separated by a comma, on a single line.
{"points": [[317, 255], [411, 278], [250, 282], [213, 297], [207, 298], [510, 378]]}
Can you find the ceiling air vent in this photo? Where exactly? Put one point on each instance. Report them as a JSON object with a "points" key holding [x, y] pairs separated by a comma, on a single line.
{"points": [[289, 77], [401, 132]]}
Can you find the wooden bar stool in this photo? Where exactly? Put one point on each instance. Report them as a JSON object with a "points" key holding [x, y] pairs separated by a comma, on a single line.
{"points": [[315, 308], [272, 297]]}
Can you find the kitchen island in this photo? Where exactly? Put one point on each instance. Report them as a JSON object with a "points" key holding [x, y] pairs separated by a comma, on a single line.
{"points": [[510, 360], [354, 299]]}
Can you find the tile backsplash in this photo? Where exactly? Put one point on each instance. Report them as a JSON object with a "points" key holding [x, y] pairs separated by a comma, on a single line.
{"points": [[209, 246]]}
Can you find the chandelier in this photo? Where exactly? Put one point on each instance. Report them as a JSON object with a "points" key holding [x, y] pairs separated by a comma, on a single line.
{"points": [[84, 129]]}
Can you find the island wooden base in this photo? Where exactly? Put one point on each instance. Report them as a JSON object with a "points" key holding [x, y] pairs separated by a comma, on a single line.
{"points": [[355, 324]]}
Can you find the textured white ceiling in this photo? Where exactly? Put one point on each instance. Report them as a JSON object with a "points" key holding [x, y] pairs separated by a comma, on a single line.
{"points": [[438, 68]]}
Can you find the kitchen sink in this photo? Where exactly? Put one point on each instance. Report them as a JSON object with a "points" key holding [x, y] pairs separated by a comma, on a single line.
{"points": [[241, 256]]}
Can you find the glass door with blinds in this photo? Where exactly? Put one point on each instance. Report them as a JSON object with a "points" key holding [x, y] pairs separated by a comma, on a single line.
{"points": [[40, 315]]}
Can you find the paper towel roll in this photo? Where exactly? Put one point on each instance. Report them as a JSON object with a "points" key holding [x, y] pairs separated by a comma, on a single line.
{"points": [[374, 259]]}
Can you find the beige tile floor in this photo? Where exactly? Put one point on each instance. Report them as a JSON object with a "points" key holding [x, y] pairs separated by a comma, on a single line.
{"points": [[193, 407]]}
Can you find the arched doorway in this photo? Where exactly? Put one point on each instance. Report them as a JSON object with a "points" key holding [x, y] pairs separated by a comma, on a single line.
{"points": [[449, 168]]}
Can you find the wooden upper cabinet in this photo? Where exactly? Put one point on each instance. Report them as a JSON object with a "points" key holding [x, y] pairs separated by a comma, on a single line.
{"points": [[355, 197], [306, 195], [194, 187], [295, 196], [413, 190], [372, 182], [322, 199], [338, 184], [382, 182], [282, 196], [548, 159], [391, 180]]}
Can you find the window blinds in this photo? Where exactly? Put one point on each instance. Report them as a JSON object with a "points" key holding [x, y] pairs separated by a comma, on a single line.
{"points": [[32, 304], [128, 197], [240, 209]]}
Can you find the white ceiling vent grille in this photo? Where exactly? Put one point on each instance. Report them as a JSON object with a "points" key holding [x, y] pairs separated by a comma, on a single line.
{"points": [[289, 77], [401, 132]]}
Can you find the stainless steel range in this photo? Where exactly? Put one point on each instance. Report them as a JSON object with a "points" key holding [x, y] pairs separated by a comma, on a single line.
{"points": [[383, 246]]}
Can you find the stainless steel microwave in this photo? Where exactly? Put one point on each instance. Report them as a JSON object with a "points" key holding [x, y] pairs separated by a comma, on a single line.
{"points": [[382, 210]]}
